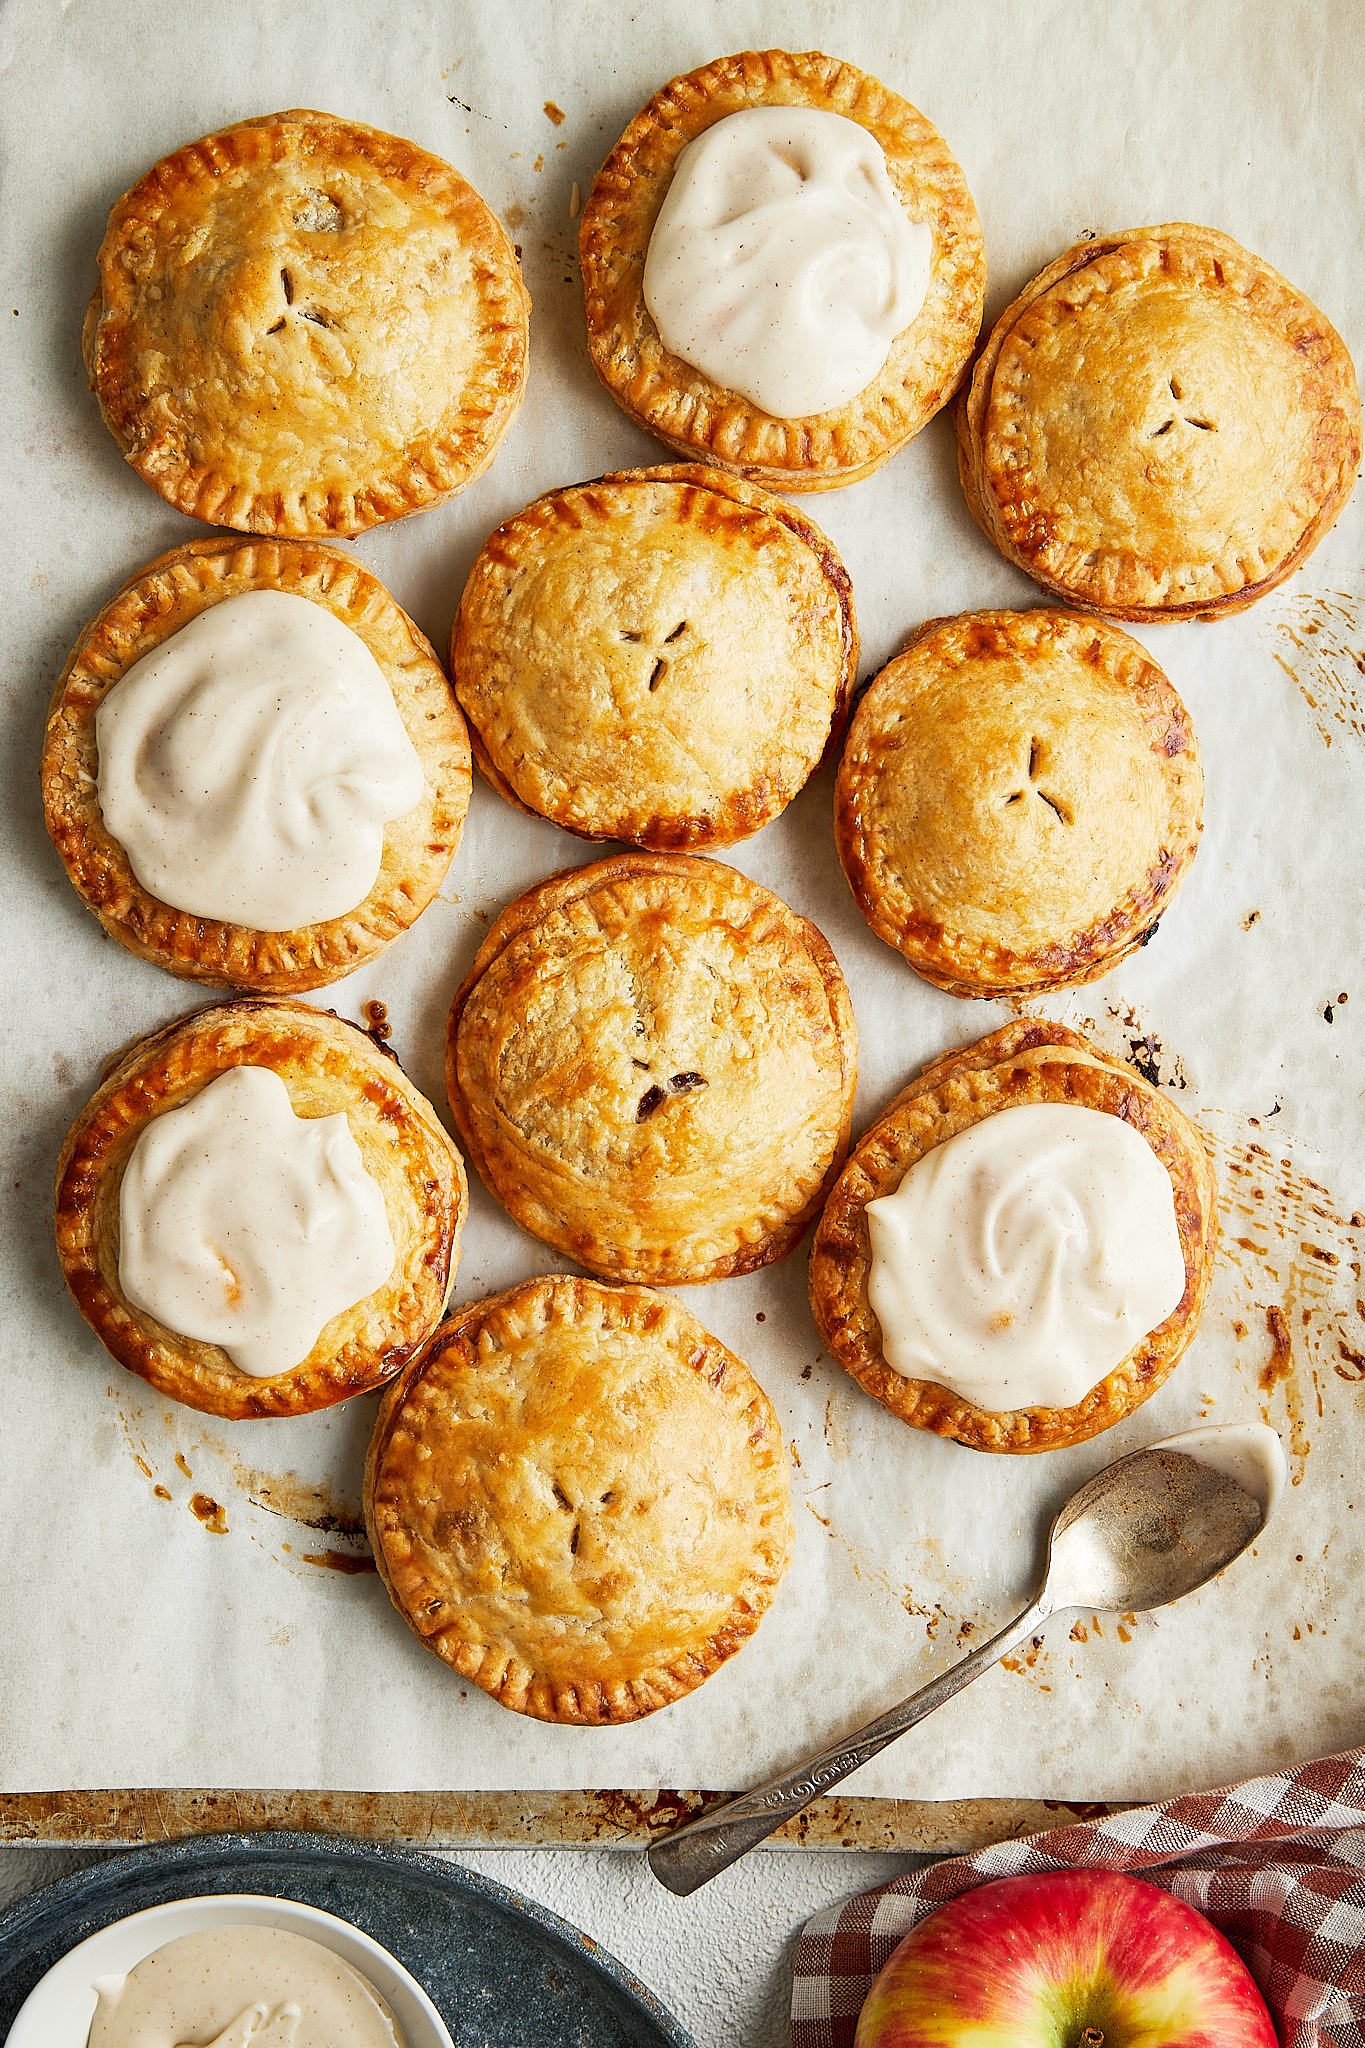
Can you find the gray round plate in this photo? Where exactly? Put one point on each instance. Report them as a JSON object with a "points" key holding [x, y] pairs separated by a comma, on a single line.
{"points": [[502, 1970]]}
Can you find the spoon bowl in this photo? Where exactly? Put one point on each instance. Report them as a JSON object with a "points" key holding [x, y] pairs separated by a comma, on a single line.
{"points": [[1143, 1532], [1146, 1531]]}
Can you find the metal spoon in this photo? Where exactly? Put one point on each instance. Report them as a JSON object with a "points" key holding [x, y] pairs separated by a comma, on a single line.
{"points": [[1145, 1531]]}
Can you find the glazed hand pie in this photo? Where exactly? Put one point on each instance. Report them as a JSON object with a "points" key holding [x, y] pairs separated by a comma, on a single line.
{"points": [[303, 325], [1026, 1215], [652, 1065], [658, 657], [1159, 427], [1020, 797], [783, 270], [280, 751], [577, 1498], [258, 1213]]}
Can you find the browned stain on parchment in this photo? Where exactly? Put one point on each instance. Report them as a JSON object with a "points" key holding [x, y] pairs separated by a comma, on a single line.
{"points": [[338, 1561], [1318, 639], [1144, 1049], [837, 1439], [1121, 1033], [1296, 1259], [316, 1505], [312, 1505], [870, 1572], [1026, 1664], [1280, 1363]]}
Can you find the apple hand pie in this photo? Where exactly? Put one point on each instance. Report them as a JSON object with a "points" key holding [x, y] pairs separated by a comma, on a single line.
{"points": [[577, 1498], [1159, 427], [1017, 1252], [257, 1212], [303, 325]]}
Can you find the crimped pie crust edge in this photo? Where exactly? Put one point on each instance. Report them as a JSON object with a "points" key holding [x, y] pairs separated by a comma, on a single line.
{"points": [[327, 1064], [506, 1669], [679, 404], [948, 958], [417, 850], [559, 894], [1030, 1060], [476, 666], [1119, 582], [193, 463]]}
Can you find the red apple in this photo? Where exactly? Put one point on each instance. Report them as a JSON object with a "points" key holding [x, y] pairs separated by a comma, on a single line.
{"points": [[1071, 1959]]}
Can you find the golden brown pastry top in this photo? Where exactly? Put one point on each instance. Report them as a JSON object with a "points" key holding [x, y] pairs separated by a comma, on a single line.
{"points": [[652, 1064], [1019, 799], [578, 1499], [1160, 426], [418, 848], [304, 325], [327, 1065], [680, 404], [1029, 1061], [659, 656]]}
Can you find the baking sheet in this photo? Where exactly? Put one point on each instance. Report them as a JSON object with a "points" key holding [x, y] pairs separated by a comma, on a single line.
{"points": [[181, 1603]]}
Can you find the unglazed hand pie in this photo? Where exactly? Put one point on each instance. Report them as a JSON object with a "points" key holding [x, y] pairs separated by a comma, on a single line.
{"points": [[415, 849], [652, 1065], [304, 325], [1159, 426], [577, 1498], [692, 411], [1025, 1066], [658, 657], [1019, 799], [237, 1254]]}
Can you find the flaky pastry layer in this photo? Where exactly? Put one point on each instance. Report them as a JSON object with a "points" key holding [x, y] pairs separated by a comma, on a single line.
{"points": [[1030, 1061], [680, 404], [1019, 799], [652, 1065], [577, 1498], [417, 849], [327, 1065], [304, 325], [660, 656]]}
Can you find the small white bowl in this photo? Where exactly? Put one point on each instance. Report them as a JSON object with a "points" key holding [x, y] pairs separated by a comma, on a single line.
{"points": [[58, 2011]]}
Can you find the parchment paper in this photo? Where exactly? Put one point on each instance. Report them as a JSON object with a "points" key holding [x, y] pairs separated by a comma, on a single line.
{"points": [[145, 1643]]}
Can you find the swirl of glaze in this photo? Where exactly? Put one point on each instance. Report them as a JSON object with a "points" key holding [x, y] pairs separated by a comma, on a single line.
{"points": [[242, 1986], [782, 263], [249, 764], [1019, 1262], [243, 1225]]}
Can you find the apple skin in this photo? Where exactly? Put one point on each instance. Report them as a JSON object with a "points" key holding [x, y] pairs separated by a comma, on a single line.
{"points": [[1033, 1962]]}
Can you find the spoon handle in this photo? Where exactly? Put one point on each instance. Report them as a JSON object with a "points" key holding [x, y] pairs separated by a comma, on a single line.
{"points": [[688, 1859]]}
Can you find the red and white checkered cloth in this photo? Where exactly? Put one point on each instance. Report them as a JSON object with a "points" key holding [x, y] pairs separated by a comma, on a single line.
{"points": [[1277, 1863]]}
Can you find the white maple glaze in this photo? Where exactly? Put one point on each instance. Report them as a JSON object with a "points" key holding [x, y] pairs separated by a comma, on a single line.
{"points": [[241, 1987], [1021, 1260], [783, 263], [249, 764], [243, 1225]]}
